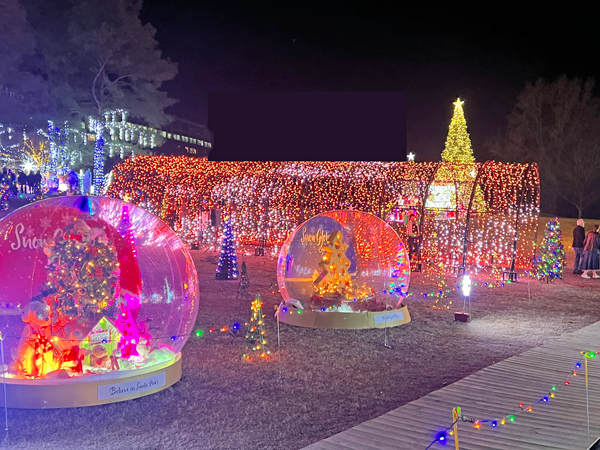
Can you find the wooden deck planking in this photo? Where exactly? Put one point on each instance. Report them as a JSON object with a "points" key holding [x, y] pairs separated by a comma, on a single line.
{"points": [[494, 392]]}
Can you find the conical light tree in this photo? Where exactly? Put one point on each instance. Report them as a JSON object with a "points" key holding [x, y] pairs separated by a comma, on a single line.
{"points": [[256, 339], [458, 143], [227, 268], [551, 262], [460, 170]]}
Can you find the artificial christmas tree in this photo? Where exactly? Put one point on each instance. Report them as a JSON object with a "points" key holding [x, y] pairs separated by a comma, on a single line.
{"points": [[227, 269], [82, 272], [551, 262], [458, 143], [256, 339], [458, 176]]}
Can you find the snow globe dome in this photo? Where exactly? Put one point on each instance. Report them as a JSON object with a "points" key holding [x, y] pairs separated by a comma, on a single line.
{"points": [[343, 269], [97, 298]]}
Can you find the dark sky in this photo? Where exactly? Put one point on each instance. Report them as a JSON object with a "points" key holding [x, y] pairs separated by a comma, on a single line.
{"points": [[433, 51]]}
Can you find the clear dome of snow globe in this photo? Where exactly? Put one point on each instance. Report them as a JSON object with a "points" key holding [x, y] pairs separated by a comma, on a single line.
{"points": [[91, 286], [342, 261]]}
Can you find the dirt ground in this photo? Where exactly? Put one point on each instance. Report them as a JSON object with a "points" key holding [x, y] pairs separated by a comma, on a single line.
{"points": [[326, 381]]}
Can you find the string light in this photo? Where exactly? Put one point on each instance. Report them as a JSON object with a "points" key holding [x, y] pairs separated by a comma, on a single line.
{"points": [[267, 200], [511, 418]]}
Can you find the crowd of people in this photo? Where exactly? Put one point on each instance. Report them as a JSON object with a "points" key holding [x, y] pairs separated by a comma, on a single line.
{"points": [[587, 251], [20, 183]]}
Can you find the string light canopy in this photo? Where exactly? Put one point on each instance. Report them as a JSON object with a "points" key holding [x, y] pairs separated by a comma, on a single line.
{"points": [[483, 222]]}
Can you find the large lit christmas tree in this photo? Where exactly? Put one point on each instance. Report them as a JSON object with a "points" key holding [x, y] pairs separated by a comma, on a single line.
{"points": [[551, 262], [461, 172], [227, 269], [256, 339], [458, 143]]}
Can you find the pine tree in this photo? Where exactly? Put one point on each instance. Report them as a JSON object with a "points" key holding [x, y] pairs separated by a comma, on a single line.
{"points": [[551, 262], [227, 269], [458, 143], [256, 339]]}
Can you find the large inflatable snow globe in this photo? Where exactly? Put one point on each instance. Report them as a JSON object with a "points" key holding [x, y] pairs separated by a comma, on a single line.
{"points": [[343, 269], [97, 298]]}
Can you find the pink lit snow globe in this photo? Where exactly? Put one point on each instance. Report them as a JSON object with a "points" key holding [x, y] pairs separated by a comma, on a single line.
{"points": [[343, 269], [97, 298]]}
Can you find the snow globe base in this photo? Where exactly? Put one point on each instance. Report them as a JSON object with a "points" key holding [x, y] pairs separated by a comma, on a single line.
{"points": [[341, 320], [111, 387]]}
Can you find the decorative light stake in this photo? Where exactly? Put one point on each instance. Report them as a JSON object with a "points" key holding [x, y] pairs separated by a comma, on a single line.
{"points": [[466, 291]]}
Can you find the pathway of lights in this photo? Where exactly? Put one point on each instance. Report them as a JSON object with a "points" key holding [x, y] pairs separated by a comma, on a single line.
{"points": [[267, 200]]}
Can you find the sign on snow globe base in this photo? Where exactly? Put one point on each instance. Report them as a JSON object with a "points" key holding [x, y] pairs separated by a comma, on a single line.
{"points": [[97, 298], [343, 269]]}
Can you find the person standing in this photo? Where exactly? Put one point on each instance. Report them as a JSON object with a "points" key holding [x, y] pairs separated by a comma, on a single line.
{"points": [[578, 242], [412, 229], [22, 181], [591, 254]]}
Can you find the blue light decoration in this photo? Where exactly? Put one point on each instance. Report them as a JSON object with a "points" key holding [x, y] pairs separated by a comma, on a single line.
{"points": [[63, 149], [99, 158], [227, 268], [53, 180]]}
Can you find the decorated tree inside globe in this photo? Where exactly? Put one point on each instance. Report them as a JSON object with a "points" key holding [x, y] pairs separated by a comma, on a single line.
{"points": [[551, 262], [256, 339], [227, 268], [334, 284], [82, 272]]}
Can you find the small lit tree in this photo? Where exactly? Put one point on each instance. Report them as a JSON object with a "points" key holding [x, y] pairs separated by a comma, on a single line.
{"points": [[256, 339], [551, 262], [227, 269]]}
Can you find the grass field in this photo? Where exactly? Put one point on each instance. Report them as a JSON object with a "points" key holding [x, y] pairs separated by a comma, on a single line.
{"points": [[326, 380]]}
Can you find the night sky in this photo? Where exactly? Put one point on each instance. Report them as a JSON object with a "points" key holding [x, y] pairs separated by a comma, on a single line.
{"points": [[432, 51]]}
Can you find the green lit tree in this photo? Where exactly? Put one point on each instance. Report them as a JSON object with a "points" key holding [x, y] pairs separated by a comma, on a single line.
{"points": [[551, 262]]}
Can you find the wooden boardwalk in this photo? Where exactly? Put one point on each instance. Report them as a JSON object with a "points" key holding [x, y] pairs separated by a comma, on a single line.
{"points": [[494, 392]]}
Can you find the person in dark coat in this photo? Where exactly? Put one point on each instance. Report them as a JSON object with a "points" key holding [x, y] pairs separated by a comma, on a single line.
{"points": [[29, 182], [591, 254], [412, 229], [578, 242], [21, 180], [37, 180]]}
